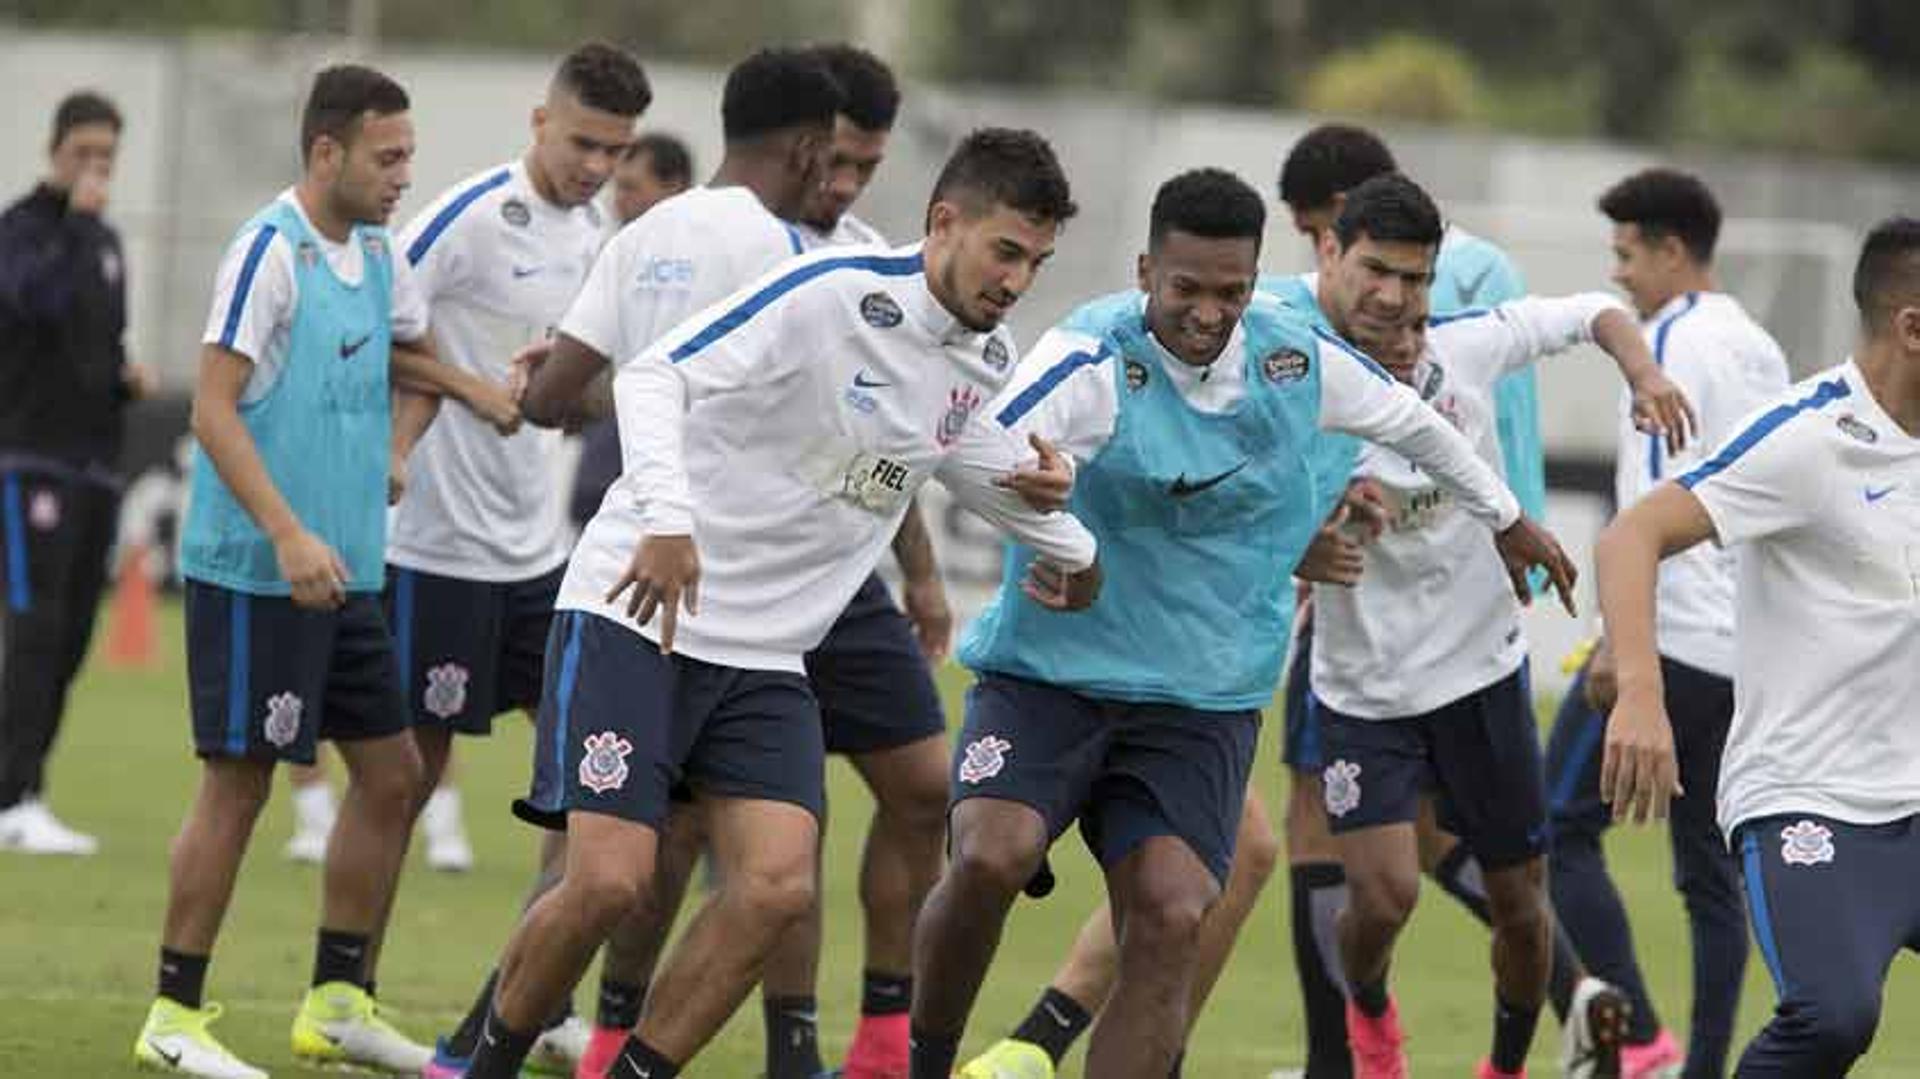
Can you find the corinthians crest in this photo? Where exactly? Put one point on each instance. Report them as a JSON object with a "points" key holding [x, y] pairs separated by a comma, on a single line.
{"points": [[604, 768], [446, 694], [282, 724]]}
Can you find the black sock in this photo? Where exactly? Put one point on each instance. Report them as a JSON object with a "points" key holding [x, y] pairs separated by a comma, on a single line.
{"points": [[932, 1054], [793, 1037], [183, 977], [340, 957], [1512, 1034], [465, 1036], [500, 1051], [885, 994], [1458, 874], [560, 1014], [638, 1060], [372, 987], [1372, 998], [1318, 891], [1053, 1024], [620, 1004], [1178, 1059]]}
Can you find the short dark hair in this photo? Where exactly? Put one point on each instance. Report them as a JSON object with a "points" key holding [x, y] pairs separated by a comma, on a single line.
{"points": [[78, 109], [1667, 202], [1008, 167], [776, 89], [340, 96], [668, 159], [1888, 273], [1328, 160], [1212, 203], [1390, 208], [872, 96], [605, 78]]}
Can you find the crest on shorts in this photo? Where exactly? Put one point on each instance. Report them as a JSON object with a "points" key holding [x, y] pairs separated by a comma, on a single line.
{"points": [[283, 719], [880, 310], [44, 511], [996, 354], [1284, 365], [961, 401], [1136, 376], [604, 768], [1342, 779], [1857, 429], [514, 212], [1806, 843], [984, 759], [446, 695]]}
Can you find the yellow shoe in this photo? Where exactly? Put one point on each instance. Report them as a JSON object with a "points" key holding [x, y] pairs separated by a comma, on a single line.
{"points": [[1009, 1059], [338, 1024], [176, 1039]]}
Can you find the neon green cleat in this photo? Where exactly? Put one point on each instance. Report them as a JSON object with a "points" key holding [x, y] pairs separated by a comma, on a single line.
{"points": [[1009, 1059], [176, 1039], [338, 1025]]}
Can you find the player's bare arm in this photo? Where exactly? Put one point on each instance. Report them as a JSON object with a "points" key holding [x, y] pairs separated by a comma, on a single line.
{"points": [[1659, 405], [312, 567], [413, 413], [1638, 773], [558, 383], [420, 371]]}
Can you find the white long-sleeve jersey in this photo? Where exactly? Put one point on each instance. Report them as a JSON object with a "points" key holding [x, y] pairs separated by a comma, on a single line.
{"points": [[785, 429]]}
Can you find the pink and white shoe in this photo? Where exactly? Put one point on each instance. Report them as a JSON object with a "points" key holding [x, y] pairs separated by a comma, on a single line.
{"points": [[1379, 1045], [879, 1049], [1486, 1070], [1660, 1058], [603, 1048]]}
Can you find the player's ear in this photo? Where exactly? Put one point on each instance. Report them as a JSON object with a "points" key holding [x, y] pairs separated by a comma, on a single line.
{"points": [[1143, 272], [1906, 328], [539, 120]]}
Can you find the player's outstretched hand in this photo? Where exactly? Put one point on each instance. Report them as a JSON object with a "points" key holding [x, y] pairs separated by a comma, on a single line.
{"points": [[1525, 545], [1055, 589], [1333, 557], [1639, 775], [1046, 482], [1366, 506], [498, 404], [930, 615], [1660, 407], [521, 367], [318, 577], [664, 575]]}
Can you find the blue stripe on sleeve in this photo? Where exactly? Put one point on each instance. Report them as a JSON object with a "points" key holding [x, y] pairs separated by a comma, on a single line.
{"points": [[1769, 421], [738, 315], [1048, 381], [19, 585], [1660, 359], [1365, 360], [418, 249], [1460, 316], [238, 303]]}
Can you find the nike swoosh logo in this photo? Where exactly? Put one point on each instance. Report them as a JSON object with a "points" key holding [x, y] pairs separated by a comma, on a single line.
{"points": [[526, 271], [1875, 496], [864, 382], [172, 1059], [1054, 1014], [1182, 488], [347, 350], [1471, 289], [643, 1073]]}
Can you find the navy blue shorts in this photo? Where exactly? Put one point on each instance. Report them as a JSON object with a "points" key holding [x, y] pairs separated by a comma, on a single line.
{"points": [[1304, 746], [1833, 904], [469, 650], [1700, 706], [873, 683], [1127, 772], [268, 678], [621, 725], [1478, 756]]}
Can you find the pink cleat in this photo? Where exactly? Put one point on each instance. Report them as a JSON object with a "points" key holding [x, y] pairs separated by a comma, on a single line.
{"points": [[879, 1049], [603, 1048], [1658, 1059], [1379, 1045], [1486, 1070]]}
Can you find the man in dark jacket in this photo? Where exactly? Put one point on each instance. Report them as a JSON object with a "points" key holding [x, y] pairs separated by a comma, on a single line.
{"points": [[64, 384]]}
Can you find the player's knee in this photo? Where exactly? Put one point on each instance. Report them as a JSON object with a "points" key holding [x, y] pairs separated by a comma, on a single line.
{"points": [[774, 897], [1383, 900], [1165, 924], [1255, 855], [603, 892], [1001, 862], [1840, 1030]]}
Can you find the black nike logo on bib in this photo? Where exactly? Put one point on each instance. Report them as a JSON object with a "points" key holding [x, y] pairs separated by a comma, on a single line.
{"points": [[347, 350], [1181, 488]]}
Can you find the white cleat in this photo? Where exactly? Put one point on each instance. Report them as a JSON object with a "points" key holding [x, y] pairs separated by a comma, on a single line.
{"points": [[447, 848], [338, 1025], [557, 1051], [307, 847], [449, 854], [1596, 1027], [1287, 1073], [176, 1040], [31, 828]]}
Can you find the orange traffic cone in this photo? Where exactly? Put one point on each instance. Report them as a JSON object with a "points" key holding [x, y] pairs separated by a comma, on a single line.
{"points": [[130, 628]]}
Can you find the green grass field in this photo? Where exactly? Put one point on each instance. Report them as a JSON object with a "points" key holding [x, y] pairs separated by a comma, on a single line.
{"points": [[78, 937]]}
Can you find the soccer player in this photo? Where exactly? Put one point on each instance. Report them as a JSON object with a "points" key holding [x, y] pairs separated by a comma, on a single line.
{"points": [[684, 254], [1138, 717], [1419, 671], [856, 376], [282, 551], [65, 383], [1819, 495], [656, 168], [1665, 225]]}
